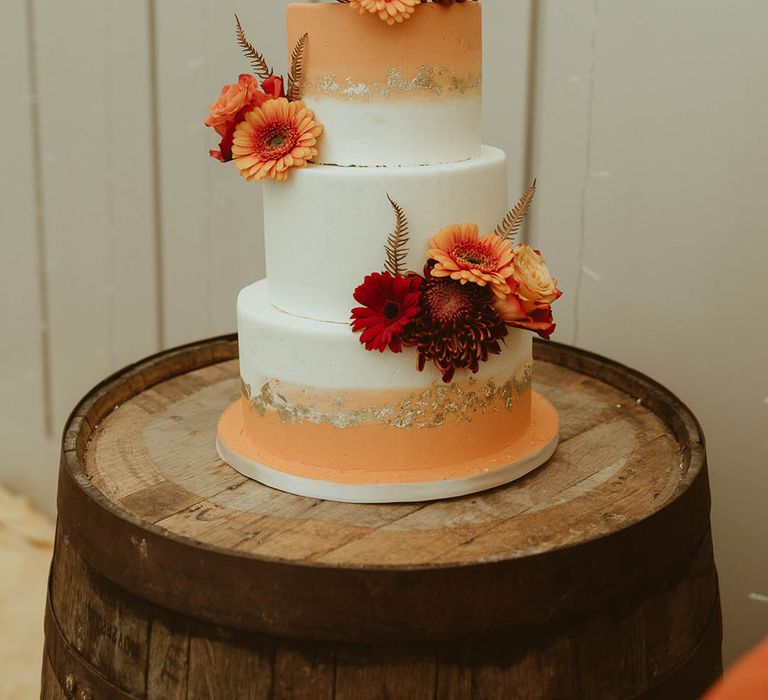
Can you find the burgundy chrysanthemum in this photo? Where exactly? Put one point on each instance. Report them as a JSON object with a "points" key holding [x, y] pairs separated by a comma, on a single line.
{"points": [[390, 303], [457, 328]]}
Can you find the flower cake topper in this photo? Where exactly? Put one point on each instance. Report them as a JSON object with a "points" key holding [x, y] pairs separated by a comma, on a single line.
{"points": [[392, 11], [472, 289], [265, 129]]}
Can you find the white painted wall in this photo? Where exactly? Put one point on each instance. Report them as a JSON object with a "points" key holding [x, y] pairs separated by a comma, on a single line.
{"points": [[651, 147], [645, 122]]}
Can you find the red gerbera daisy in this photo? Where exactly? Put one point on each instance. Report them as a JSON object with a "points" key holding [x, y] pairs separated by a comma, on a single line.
{"points": [[457, 328], [390, 303]]}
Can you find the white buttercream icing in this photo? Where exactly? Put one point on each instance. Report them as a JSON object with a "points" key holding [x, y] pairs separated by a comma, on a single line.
{"points": [[326, 227], [328, 356]]}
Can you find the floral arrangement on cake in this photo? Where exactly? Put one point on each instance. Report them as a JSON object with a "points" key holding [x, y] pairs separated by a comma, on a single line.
{"points": [[457, 312], [263, 127], [392, 11]]}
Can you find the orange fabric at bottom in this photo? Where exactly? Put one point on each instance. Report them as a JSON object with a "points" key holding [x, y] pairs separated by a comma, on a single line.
{"points": [[747, 680]]}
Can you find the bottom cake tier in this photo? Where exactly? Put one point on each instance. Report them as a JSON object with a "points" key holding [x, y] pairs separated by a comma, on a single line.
{"points": [[321, 417]]}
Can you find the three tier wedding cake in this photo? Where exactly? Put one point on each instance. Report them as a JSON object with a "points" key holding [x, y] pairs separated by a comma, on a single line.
{"points": [[387, 357]]}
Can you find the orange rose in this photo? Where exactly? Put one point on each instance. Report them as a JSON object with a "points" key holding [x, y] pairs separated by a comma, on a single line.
{"points": [[528, 315], [273, 87], [534, 281], [234, 103], [242, 95]]}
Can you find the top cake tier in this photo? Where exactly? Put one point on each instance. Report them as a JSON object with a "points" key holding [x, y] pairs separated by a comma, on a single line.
{"points": [[399, 95]]}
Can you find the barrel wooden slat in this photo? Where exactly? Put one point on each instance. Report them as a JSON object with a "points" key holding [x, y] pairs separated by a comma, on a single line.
{"points": [[395, 672], [175, 577], [304, 672], [168, 655], [228, 669], [111, 634], [545, 670]]}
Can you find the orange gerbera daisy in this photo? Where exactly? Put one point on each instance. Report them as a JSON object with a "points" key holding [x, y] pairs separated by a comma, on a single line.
{"points": [[391, 11], [462, 255], [275, 137]]}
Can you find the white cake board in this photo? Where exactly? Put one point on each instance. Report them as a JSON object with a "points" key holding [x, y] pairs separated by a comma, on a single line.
{"points": [[387, 493]]}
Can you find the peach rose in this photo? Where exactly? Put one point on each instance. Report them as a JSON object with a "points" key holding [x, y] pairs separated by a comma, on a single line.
{"points": [[534, 281], [242, 95]]}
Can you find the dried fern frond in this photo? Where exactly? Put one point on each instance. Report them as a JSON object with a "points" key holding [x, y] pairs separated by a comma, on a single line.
{"points": [[396, 248], [510, 226], [297, 69], [258, 63]]}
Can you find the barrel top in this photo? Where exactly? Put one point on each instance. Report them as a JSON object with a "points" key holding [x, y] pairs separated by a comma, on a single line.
{"points": [[140, 477], [154, 457]]}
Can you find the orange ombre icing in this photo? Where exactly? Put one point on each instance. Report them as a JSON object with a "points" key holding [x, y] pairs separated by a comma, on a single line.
{"points": [[379, 454], [386, 433], [438, 52]]}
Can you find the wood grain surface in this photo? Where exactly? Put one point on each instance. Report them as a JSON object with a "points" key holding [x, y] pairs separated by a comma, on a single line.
{"points": [[591, 577]]}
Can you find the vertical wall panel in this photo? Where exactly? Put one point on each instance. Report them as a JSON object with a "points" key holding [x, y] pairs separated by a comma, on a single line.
{"points": [[506, 44], [669, 173], [27, 451], [212, 227], [93, 64], [561, 134]]}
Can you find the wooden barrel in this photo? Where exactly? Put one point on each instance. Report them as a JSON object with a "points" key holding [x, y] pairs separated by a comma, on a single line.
{"points": [[175, 577]]}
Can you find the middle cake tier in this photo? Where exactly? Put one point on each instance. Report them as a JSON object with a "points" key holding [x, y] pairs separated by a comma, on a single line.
{"points": [[327, 225]]}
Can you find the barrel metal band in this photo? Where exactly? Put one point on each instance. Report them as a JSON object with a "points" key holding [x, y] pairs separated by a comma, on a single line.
{"points": [[77, 677]]}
